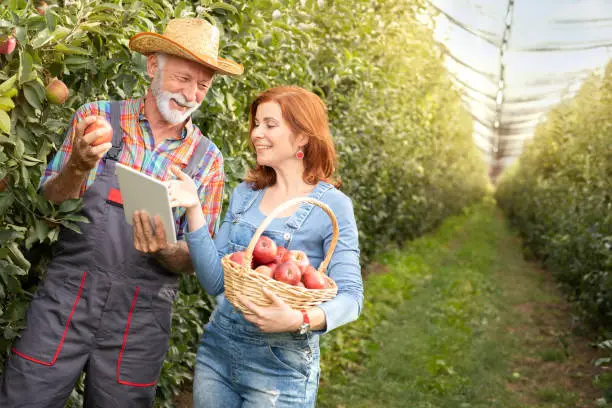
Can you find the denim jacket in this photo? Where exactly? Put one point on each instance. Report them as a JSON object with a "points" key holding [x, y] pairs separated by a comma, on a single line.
{"points": [[308, 229]]}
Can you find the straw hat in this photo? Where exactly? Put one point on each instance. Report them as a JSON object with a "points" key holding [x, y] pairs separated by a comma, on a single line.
{"points": [[190, 38]]}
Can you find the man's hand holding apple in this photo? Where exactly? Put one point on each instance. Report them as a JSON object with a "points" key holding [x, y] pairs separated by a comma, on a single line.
{"points": [[86, 152]]}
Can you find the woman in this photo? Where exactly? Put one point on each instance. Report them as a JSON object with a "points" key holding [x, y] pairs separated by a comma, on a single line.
{"points": [[269, 356]]}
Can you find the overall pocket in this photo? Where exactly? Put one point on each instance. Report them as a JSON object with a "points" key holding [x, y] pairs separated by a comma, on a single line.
{"points": [[294, 356], [145, 339], [48, 322]]}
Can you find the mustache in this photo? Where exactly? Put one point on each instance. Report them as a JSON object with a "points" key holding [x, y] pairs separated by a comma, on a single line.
{"points": [[180, 99]]}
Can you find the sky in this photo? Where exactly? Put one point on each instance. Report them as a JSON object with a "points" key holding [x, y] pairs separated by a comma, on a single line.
{"points": [[544, 76]]}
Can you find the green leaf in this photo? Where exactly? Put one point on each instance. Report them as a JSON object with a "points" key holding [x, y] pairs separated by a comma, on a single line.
{"points": [[51, 20], [224, 6], [17, 256], [11, 269], [42, 38], [19, 148], [16, 310], [21, 34], [32, 97], [76, 61], [6, 104], [31, 161], [45, 36], [231, 102], [77, 218], [9, 234], [6, 200], [8, 84], [69, 206], [5, 122], [25, 175], [11, 92], [53, 234], [42, 229], [63, 48], [25, 67], [71, 226], [104, 6]]}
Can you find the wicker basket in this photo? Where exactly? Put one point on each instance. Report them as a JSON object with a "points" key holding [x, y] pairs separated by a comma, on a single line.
{"points": [[241, 279]]}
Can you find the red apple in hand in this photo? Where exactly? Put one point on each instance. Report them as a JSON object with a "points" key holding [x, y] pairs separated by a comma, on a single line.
{"points": [[299, 257], [8, 46], [107, 131], [313, 279], [288, 272], [265, 270], [265, 250]]}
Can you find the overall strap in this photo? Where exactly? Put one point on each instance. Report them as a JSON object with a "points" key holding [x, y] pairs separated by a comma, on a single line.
{"points": [[250, 196], [115, 114], [300, 215], [196, 156]]}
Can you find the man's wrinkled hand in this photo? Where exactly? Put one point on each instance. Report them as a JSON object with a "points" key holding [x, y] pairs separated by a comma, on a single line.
{"points": [[84, 156], [145, 238]]}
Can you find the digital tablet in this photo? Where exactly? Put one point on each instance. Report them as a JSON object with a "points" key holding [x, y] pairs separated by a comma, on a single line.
{"points": [[142, 192]]}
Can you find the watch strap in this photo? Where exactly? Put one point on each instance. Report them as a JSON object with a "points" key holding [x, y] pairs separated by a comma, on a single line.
{"points": [[305, 317]]}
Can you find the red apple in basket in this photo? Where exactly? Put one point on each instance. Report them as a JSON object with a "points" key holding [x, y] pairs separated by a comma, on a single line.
{"points": [[238, 257], [265, 250], [280, 254], [265, 270], [299, 257], [288, 272], [313, 279]]}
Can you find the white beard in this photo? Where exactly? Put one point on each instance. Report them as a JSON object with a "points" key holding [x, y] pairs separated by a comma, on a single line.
{"points": [[163, 98]]}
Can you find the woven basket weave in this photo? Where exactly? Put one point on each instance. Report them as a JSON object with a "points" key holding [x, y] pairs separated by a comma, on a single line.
{"points": [[241, 279]]}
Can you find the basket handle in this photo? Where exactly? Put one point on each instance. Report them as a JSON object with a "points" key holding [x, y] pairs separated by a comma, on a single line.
{"points": [[289, 203]]}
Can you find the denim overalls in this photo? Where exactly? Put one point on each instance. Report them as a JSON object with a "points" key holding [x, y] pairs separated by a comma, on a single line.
{"points": [[237, 364]]}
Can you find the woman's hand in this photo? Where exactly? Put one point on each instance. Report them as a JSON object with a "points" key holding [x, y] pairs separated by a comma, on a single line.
{"points": [[183, 192], [278, 317]]}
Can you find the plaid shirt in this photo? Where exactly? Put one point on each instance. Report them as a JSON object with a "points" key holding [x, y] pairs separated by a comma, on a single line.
{"points": [[140, 152]]}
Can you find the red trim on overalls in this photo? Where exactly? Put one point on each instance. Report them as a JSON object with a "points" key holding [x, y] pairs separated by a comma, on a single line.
{"points": [[114, 196], [61, 344], [125, 336]]}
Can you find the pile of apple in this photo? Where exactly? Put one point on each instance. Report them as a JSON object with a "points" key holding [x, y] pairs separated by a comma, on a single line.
{"points": [[279, 263]]}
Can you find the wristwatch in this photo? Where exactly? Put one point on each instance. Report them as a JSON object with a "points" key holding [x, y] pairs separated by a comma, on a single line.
{"points": [[305, 326]]}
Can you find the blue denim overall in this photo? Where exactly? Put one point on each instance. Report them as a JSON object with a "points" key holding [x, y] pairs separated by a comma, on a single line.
{"points": [[103, 308], [238, 365]]}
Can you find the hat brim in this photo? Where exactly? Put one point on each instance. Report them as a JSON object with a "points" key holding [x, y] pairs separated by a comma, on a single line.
{"points": [[149, 43]]}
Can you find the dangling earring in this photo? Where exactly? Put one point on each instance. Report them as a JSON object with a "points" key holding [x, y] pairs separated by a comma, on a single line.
{"points": [[299, 154]]}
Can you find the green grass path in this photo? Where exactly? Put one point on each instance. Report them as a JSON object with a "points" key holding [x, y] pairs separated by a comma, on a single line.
{"points": [[459, 319]]}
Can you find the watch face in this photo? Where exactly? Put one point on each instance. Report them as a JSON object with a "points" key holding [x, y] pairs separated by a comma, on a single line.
{"points": [[304, 328]]}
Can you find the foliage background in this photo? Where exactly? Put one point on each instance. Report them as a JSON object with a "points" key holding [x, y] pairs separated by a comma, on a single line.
{"points": [[559, 196], [404, 143]]}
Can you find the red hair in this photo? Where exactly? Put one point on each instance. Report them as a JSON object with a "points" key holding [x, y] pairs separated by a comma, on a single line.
{"points": [[305, 114]]}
